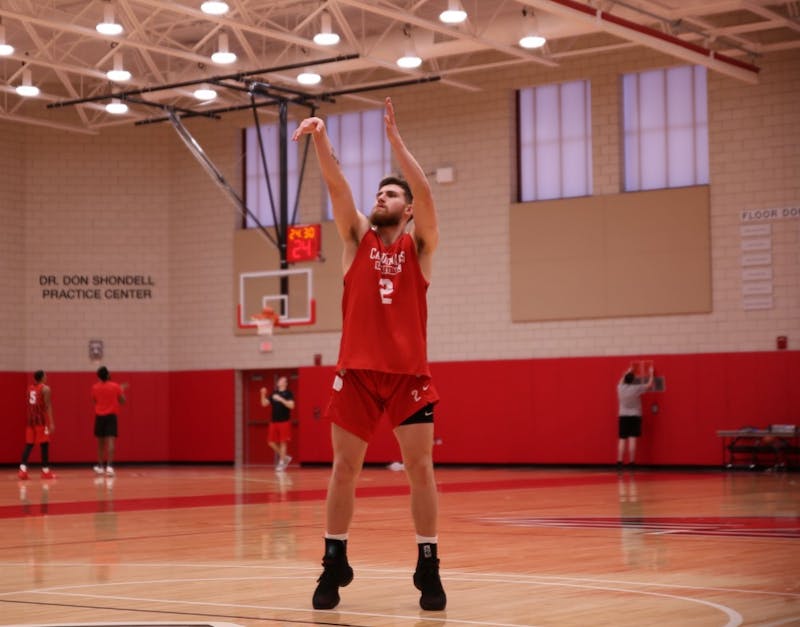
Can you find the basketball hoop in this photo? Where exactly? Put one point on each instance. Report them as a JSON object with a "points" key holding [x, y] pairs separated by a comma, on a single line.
{"points": [[264, 326], [265, 323]]}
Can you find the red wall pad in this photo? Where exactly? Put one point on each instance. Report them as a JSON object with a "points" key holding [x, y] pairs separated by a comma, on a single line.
{"points": [[536, 411]]}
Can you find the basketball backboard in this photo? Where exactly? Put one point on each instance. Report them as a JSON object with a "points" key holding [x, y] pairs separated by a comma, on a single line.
{"points": [[288, 292]]}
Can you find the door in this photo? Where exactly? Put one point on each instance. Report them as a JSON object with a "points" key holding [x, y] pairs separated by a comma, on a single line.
{"points": [[256, 418]]}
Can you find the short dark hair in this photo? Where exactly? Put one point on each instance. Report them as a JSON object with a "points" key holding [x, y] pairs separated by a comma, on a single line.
{"points": [[102, 373], [38, 376], [629, 378], [396, 180]]}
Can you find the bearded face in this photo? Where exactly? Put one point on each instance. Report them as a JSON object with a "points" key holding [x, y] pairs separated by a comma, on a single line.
{"points": [[390, 206], [380, 217]]}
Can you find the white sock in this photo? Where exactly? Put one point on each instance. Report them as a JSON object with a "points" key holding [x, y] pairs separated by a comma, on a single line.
{"points": [[336, 536], [427, 539], [23, 467]]}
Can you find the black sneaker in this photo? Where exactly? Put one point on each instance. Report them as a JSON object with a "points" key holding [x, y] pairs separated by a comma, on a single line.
{"points": [[335, 574], [426, 580]]}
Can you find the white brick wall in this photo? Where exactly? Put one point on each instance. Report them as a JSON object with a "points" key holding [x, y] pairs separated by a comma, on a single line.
{"points": [[165, 218], [12, 247]]}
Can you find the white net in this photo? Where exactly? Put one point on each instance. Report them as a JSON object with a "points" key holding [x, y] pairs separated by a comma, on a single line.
{"points": [[264, 326]]}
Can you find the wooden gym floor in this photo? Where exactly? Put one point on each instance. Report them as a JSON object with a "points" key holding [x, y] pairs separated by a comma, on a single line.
{"points": [[519, 547]]}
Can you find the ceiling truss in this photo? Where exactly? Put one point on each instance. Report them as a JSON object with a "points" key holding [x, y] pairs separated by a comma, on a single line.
{"points": [[169, 42]]}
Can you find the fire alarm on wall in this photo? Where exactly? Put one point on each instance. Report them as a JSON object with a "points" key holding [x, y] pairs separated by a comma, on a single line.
{"points": [[782, 342]]}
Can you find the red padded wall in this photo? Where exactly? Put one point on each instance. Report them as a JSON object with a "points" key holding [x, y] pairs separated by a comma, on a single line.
{"points": [[201, 416], [539, 411], [179, 416], [563, 410]]}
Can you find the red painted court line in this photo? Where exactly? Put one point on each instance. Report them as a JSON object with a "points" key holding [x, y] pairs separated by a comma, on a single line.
{"points": [[255, 498]]}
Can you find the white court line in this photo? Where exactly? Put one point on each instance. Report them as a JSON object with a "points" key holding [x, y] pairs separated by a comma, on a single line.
{"points": [[650, 584], [734, 618], [416, 618], [793, 620], [449, 574]]}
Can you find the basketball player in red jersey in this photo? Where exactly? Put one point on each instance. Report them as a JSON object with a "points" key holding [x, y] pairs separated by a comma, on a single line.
{"points": [[107, 397], [383, 364], [40, 425]]}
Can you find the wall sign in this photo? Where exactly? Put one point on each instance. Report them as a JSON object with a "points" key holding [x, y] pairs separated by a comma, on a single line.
{"points": [[96, 286], [773, 213]]}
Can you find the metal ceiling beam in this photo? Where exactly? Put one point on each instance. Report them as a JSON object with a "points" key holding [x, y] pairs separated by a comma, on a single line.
{"points": [[649, 37], [218, 79], [407, 18], [772, 16], [90, 33]]}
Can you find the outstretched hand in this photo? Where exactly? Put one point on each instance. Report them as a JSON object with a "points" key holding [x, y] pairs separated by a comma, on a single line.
{"points": [[309, 126], [392, 131]]}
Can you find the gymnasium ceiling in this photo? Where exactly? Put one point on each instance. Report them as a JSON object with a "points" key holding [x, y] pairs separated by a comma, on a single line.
{"points": [[168, 42]]}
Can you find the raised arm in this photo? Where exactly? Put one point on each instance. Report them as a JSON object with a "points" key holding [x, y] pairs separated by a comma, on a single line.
{"points": [[426, 226], [650, 378], [350, 223]]}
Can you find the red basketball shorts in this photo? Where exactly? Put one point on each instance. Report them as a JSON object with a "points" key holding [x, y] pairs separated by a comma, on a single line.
{"points": [[37, 434], [360, 397], [279, 431]]}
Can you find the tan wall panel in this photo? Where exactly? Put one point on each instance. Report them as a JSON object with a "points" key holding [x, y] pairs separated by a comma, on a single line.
{"points": [[659, 220], [576, 285], [583, 219], [646, 253]]}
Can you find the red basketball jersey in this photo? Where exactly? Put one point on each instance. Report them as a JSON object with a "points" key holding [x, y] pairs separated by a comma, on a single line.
{"points": [[106, 397], [384, 309], [37, 406]]}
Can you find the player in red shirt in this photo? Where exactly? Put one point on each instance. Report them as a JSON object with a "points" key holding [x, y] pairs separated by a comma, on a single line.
{"points": [[107, 396], [40, 425], [382, 366]]}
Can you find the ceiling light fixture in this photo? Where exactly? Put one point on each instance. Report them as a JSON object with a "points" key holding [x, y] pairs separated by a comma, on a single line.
{"points": [[454, 13], [108, 26], [118, 74], [205, 93], [5, 49], [116, 107], [308, 77], [223, 56], [213, 7], [26, 87], [326, 36], [410, 58], [531, 38]]}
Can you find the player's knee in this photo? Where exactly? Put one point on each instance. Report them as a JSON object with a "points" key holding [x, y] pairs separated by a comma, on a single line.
{"points": [[345, 470], [419, 468]]}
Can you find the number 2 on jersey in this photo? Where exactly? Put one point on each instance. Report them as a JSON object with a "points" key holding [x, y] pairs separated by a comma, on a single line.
{"points": [[386, 288]]}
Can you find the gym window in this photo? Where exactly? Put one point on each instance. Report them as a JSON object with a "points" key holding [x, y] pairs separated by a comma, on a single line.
{"points": [[257, 194], [554, 141], [665, 125], [359, 140]]}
